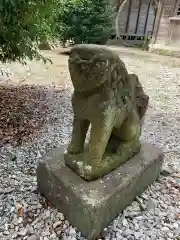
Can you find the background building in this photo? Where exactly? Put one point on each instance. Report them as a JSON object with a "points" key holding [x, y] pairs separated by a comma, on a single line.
{"points": [[158, 20], [135, 20], [166, 33]]}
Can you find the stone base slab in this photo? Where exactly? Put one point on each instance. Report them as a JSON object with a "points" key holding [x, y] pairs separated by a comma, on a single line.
{"points": [[92, 206]]}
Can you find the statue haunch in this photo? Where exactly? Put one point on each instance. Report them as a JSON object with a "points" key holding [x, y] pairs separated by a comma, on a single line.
{"points": [[109, 101]]}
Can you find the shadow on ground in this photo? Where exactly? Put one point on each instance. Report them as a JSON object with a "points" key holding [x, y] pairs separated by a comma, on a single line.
{"points": [[23, 111]]}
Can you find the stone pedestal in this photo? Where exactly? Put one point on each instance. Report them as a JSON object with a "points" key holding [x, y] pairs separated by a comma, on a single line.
{"points": [[91, 206]]}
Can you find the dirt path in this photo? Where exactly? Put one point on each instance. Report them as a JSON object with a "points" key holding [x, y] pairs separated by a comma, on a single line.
{"points": [[38, 73]]}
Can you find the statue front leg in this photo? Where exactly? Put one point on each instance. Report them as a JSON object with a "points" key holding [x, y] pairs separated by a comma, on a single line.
{"points": [[99, 137], [80, 128]]}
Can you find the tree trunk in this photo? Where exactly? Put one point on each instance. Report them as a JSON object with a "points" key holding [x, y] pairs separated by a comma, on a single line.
{"points": [[117, 17], [121, 5]]}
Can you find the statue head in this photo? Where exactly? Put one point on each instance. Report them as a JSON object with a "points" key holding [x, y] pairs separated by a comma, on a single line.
{"points": [[90, 66]]}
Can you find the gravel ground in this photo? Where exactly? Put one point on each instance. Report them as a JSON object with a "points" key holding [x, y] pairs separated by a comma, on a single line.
{"points": [[155, 215]]}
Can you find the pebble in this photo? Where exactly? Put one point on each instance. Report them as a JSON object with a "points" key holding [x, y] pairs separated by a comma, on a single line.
{"points": [[127, 232], [8, 190], [23, 232], [33, 237], [6, 232], [138, 235], [45, 233], [64, 226], [136, 226], [53, 235], [176, 225], [47, 214], [30, 229], [64, 237], [60, 216], [1, 191], [72, 232], [170, 234], [45, 238], [57, 224], [165, 229], [125, 222], [166, 171], [72, 238], [140, 218], [20, 220]]}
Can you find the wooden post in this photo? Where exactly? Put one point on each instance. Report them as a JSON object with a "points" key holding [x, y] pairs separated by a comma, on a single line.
{"points": [[147, 15], [171, 28], [157, 21], [172, 23], [129, 12], [137, 22], [117, 18]]}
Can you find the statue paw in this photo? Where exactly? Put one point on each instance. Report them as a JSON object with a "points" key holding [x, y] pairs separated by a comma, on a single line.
{"points": [[72, 149], [93, 162]]}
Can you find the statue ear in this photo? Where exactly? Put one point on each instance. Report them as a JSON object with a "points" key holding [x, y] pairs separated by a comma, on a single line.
{"points": [[74, 57], [142, 102]]}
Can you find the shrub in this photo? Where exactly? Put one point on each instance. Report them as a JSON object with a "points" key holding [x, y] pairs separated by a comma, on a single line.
{"points": [[85, 21], [23, 24]]}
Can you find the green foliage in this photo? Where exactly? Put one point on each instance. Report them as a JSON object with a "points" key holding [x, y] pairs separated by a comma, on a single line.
{"points": [[85, 21], [23, 24]]}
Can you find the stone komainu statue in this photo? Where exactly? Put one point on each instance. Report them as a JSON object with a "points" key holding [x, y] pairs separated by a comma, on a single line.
{"points": [[111, 103]]}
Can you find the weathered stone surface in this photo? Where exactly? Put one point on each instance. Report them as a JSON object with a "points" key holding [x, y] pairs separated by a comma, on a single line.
{"points": [[91, 206], [109, 100], [110, 161]]}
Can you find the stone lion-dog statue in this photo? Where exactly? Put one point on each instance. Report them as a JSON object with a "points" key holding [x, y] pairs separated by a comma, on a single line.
{"points": [[111, 103]]}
